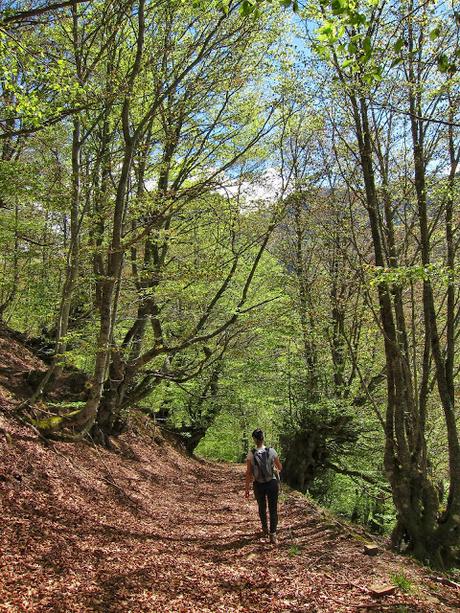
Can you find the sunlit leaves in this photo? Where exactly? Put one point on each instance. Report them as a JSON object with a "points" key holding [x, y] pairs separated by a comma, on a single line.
{"points": [[344, 37], [36, 84], [398, 45], [445, 65], [435, 33], [405, 275]]}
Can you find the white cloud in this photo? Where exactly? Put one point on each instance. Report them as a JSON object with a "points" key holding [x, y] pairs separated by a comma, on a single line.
{"points": [[263, 190]]}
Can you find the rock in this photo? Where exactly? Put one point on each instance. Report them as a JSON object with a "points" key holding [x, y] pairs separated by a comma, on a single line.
{"points": [[371, 549], [382, 589]]}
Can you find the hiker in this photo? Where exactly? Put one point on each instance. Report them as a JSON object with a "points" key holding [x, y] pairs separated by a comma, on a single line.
{"points": [[261, 463]]}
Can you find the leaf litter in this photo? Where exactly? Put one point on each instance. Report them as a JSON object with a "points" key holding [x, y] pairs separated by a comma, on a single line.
{"points": [[143, 528]]}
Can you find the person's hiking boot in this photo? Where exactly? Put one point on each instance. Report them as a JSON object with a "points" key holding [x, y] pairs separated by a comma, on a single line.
{"points": [[263, 536], [273, 538]]}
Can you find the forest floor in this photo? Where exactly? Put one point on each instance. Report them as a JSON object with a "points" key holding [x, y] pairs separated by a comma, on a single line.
{"points": [[142, 528]]}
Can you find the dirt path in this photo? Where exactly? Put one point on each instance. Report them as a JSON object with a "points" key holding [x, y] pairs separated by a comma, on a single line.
{"points": [[143, 529]]}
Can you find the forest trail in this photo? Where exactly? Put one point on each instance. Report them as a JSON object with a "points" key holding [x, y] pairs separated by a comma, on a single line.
{"points": [[143, 528]]}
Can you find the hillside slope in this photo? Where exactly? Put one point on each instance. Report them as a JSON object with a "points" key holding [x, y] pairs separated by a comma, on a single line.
{"points": [[142, 528]]}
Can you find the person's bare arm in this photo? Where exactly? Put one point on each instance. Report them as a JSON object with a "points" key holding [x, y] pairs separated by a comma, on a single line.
{"points": [[248, 477], [278, 464]]}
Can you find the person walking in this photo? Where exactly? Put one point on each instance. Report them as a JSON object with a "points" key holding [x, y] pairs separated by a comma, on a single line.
{"points": [[261, 463]]}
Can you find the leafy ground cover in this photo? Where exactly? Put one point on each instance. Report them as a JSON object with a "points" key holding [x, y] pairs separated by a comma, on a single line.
{"points": [[143, 528]]}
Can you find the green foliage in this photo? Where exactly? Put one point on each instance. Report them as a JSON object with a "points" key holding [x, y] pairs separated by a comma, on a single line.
{"points": [[332, 420], [401, 581], [356, 500], [304, 356], [343, 37], [294, 550], [37, 86], [223, 440], [404, 275]]}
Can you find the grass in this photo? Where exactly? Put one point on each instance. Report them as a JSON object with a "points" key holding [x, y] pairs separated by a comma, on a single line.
{"points": [[402, 582]]}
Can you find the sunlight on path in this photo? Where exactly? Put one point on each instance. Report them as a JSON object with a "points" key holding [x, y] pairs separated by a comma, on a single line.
{"points": [[214, 561], [143, 529]]}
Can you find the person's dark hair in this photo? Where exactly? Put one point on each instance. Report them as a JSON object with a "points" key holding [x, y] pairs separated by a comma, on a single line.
{"points": [[258, 435]]}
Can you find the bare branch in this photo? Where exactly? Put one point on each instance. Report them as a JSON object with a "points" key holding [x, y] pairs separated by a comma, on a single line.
{"points": [[40, 10]]}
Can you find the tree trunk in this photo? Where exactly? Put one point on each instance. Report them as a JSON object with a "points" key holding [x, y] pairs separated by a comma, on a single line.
{"points": [[74, 249], [414, 494], [71, 270]]}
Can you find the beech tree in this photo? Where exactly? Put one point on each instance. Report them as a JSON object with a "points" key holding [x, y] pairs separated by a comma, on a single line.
{"points": [[357, 46], [164, 128], [325, 308]]}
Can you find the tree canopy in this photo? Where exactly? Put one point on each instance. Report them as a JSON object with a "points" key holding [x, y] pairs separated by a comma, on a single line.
{"points": [[237, 214]]}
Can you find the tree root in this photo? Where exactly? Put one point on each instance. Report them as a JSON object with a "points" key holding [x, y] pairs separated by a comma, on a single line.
{"points": [[56, 422], [56, 427]]}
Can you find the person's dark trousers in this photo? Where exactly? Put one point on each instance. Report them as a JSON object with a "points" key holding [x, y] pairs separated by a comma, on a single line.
{"points": [[263, 492]]}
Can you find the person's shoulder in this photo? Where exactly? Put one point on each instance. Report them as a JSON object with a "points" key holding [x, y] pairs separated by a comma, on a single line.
{"points": [[250, 456], [273, 452]]}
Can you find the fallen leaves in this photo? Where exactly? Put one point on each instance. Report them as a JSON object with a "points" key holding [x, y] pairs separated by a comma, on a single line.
{"points": [[142, 528], [168, 535]]}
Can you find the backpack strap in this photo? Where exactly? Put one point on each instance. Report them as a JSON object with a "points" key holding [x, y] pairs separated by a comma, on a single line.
{"points": [[254, 450]]}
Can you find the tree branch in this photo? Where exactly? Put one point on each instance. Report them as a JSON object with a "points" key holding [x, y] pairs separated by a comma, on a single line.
{"points": [[357, 473], [40, 10]]}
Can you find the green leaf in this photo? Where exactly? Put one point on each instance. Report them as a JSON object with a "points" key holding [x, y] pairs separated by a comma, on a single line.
{"points": [[225, 6], [367, 47], [434, 34], [399, 44], [326, 32], [338, 7], [247, 8], [327, 28], [357, 19], [443, 62]]}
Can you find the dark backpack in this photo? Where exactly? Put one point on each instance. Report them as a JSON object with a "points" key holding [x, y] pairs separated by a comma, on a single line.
{"points": [[263, 465]]}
